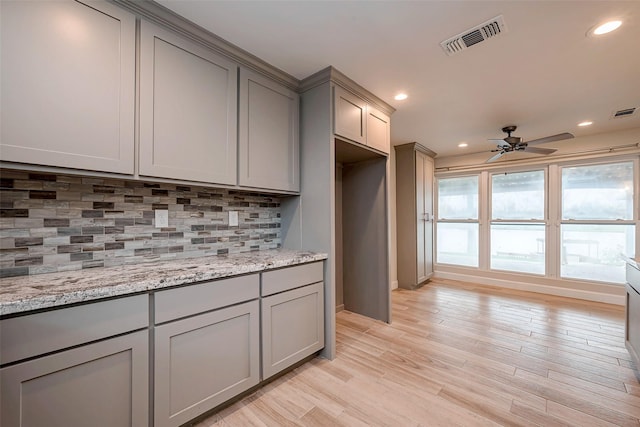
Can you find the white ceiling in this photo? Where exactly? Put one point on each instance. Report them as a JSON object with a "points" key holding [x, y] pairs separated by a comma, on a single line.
{"points": [[543, 75]]}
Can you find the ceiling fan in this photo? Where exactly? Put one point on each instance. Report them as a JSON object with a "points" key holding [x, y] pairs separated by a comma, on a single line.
{"points": [[514, 143]]}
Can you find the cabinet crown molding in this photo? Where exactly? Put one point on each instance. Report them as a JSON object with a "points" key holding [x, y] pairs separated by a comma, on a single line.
{"points": [[416, 146], [337, 77], [155, 12]]}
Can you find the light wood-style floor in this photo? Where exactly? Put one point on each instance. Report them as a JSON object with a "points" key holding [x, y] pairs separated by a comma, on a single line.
{"points": [[460, 355]]}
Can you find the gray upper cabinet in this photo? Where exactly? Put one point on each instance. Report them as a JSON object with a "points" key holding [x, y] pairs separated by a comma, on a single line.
{"points": [[268, 140], [358, 121], [68, 85], [378, 130], [188, 116], [350, 116]]}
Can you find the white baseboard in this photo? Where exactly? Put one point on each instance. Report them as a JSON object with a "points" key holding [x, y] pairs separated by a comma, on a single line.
{"points": [[339, 308], [532, 287], [394, 285]]}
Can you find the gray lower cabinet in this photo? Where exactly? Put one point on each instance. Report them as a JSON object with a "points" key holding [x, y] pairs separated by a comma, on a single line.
{"points": [[268, 145], [205, 360], [632, 329], [188, 116], [105, 383], [77, 366], [292, 318], [68, 84]]}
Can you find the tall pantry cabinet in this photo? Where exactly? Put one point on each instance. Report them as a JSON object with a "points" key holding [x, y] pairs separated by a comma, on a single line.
{"points": [[414, 213]]}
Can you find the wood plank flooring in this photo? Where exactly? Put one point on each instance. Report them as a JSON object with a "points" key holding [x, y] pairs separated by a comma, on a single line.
{"points": [[458, 354]]}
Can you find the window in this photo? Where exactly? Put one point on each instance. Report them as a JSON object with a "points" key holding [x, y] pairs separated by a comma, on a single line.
{"points": [[518, 221], [562, 221], [457, 221], [597, 225]]}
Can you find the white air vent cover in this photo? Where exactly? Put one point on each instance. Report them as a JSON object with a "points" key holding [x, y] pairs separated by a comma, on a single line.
{"points": [[626, 112], [475, 35]]}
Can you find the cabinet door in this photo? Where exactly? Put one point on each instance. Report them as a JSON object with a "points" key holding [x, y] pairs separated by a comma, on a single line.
{"points": [[378, 130], [203, 361], [268, 140], [188, 114], [105, 383], [68, 85], [424, 203], [350, 116], [292, 327]]}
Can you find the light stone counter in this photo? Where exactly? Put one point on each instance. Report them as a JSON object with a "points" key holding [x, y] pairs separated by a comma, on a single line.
{"points": [[26, 293]]}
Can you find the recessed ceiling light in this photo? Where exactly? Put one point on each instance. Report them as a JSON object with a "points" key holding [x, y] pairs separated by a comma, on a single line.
{"points": [[401, 97], [605, 28], [585, 123], [463, 145]]}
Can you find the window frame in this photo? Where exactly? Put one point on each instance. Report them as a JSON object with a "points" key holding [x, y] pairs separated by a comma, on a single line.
{"points": [[559, 221], [438, 220], [553, 210], [544, 221]]}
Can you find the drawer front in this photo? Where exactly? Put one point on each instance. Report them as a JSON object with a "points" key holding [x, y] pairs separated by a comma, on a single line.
{"points": [[291, 277], [34, 334], [181, 302]]}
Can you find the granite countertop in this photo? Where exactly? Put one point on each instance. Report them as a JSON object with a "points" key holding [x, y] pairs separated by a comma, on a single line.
{"points": [[26, 293]]}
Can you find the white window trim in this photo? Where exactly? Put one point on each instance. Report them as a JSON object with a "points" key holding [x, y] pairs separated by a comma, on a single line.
{"points": [[552, 221]]}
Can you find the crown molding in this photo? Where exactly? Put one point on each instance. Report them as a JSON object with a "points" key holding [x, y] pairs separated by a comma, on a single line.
{"points": [[155, 12]]}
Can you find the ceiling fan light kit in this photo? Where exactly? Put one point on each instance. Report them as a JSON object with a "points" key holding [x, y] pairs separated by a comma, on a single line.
{"points": [[510, 144]]}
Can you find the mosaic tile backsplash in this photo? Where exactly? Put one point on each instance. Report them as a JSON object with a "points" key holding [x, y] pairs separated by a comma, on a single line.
{"points": [[52, 223]]}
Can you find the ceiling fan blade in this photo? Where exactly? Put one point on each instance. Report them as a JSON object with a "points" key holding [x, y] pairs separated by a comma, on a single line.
{"points": [[500, 142], [558, 137], [496, 157], [537, 150]]}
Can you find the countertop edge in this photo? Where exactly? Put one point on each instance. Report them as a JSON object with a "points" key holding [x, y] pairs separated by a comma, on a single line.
{"points": [[56, 299]]}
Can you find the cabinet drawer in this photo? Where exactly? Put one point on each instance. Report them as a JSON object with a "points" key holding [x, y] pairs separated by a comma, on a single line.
{"points": [[291, 277], [181, 302], [34, 334]]}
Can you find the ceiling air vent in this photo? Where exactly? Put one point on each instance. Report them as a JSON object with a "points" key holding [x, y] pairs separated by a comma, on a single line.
{"points": [[475, 35], [623, 113]]}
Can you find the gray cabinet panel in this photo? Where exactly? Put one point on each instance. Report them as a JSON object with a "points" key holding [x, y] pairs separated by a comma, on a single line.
{"points": [[292, 327], [68, 85], [202, 361], [414, 210], [291, 277], [350, 116], [104, 383], [632, 329], [186, 301], [188, 116], [268, 139], [378, 130], [31, 335]]}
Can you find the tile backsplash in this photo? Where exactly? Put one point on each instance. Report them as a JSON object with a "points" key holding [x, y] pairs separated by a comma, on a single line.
{"points": [[52, 223]]}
